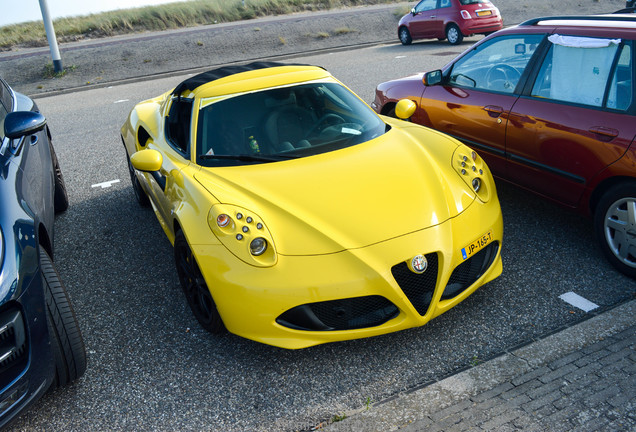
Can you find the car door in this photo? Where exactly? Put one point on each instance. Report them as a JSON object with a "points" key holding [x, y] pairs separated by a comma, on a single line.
{"points": [[477, 93], [175, 152], [573, 120], [422, 24]]}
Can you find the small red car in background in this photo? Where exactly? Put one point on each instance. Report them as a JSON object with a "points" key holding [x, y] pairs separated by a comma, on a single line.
{"points": [[449, 19]]}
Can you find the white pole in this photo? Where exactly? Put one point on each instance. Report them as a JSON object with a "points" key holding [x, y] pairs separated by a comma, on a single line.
{"points": [[50, 35]]}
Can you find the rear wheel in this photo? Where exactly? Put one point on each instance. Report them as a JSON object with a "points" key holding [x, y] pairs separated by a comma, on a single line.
{"points": [[194, 287], [454, 34], [405, 36], [615, 227], [67, 344]]}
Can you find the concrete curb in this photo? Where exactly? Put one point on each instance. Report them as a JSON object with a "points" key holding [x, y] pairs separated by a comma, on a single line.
{"points": [[423, 404]]}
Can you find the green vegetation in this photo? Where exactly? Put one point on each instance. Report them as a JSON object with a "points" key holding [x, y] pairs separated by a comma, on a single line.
{"points": [[156, 18], [336, 418]]}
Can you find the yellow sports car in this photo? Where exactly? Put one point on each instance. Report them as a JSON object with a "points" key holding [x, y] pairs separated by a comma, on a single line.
{"points": [[299, 216]]}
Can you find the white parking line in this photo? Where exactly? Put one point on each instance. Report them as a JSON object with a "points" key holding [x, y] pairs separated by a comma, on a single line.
{"points": [[578, 301], [106, 184], [121, 100]]}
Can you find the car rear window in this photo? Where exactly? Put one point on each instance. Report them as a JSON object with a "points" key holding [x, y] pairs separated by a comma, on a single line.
{"points": [[594, 62], [6, 105]]}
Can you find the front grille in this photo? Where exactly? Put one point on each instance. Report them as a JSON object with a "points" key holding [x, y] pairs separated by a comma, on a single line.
{"points": [[470, 270], [343, 314], [13, 345], [419, 288]]}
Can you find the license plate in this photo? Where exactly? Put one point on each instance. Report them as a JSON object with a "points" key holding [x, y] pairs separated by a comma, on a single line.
{"points": [[477, 245], [484, 13]]}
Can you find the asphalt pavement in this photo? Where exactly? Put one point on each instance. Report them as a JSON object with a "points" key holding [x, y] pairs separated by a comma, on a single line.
{"points": [[581, 376]]}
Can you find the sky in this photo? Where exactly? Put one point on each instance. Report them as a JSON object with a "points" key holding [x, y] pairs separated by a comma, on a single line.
{"points": [[13, 12]]}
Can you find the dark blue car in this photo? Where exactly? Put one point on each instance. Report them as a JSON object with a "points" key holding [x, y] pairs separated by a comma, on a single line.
{"points": [[41, 346]]}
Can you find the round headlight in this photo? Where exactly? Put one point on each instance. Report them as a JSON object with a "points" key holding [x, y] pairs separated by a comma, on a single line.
{"points": [[258, 246], [476, 184], [223, 220]]}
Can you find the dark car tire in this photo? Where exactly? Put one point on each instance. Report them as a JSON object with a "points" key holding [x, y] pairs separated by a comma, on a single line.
{"points": [[405, 36], [194, 287], [454, 34], [139, 192], [616, 235], [69, 352], [60, 197]]}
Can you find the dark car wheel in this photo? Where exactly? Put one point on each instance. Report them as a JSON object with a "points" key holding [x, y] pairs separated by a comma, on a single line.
{"points": [[615, 227], [195, 288], [60, 197], [140, 195], [66, 339], [405, 36], [454, 34]]}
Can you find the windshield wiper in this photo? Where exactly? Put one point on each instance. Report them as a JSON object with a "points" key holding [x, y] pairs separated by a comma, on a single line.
{"points": [[249, 158]]}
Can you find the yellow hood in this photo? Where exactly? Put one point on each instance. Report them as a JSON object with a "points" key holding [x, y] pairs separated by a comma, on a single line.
{"points": [[349, 198]]}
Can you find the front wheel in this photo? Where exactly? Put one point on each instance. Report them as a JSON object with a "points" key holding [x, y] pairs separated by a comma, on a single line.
{"points": [[405, 36], [454, 34], [194, 287], [60, 196], [139, 192], [67, 344], [615, 227]]}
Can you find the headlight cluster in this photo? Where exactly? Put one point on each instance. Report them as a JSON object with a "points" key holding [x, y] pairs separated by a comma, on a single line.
{"points": [[473, 170], [243, 233]]}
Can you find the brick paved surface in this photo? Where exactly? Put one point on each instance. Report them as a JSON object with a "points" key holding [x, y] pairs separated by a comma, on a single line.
{"points": [[582, 378]]}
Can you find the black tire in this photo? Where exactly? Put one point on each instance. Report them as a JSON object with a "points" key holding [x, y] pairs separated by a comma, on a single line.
{"points": [[194, 287], [67, 344], [60, 197], [454, 34], [405, 36], [615, 227], [391, 112], [139, 192]]}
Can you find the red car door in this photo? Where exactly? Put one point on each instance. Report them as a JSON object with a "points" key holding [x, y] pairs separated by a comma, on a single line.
{"points": [[566, 130], [422, 24], [475, 99]]}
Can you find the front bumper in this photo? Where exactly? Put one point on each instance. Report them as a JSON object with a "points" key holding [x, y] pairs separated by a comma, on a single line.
{"points": [[27, 368], [255, 303]]}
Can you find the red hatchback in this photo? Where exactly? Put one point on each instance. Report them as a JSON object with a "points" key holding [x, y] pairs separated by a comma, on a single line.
{"points": [[449, 19], [549, 104]]}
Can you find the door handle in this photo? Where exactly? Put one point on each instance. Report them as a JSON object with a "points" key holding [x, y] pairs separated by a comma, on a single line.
{"points": [[494, 111], [605, 131]]}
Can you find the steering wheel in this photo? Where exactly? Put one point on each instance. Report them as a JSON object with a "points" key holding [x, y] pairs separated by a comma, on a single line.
{"points": [[502, 77], [325, 121]]}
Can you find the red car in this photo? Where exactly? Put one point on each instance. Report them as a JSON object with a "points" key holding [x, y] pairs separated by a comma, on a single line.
{"points": [[549, 104], [449, 19]]}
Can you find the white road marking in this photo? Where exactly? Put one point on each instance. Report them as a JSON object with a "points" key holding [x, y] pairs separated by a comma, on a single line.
{"points": [[578, 301], [121, 100], [106, 184], [400, 57]]}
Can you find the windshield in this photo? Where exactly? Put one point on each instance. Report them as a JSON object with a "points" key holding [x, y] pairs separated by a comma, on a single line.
{"points": [[283, 123]]}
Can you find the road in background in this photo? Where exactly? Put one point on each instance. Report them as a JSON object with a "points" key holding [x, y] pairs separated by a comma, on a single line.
{"points": [[151, 367]]}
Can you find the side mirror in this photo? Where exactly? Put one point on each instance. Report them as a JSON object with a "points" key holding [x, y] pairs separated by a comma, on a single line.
{"points": [[148, 160], [413, 12], [432, 78], [22, 123], [405, 109]]}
